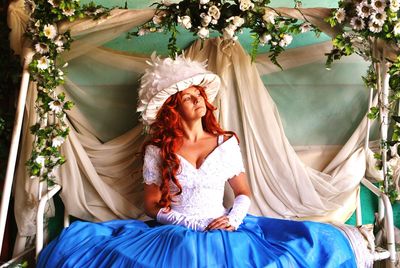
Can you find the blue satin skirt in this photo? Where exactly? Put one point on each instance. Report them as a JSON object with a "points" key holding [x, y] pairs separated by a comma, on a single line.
{"points": [[259, 242]]}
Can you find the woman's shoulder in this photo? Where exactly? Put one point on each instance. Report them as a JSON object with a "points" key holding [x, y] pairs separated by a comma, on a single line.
{"points": [[230, 135]]}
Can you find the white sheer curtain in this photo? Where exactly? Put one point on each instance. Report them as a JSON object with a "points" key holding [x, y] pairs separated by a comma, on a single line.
{"points": [[102, 180]]}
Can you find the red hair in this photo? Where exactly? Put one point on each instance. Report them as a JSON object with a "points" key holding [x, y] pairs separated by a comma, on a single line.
{"points": [[167, 134]]}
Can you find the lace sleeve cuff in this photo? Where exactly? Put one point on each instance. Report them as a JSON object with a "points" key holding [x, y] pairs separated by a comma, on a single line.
{"points": [[151, 166]]}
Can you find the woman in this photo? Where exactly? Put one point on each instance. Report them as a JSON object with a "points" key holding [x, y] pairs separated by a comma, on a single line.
{"points": [[187, 160]]}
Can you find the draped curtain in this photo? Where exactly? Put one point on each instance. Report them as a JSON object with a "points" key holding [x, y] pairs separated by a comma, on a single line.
{"points": [[102, 180]]}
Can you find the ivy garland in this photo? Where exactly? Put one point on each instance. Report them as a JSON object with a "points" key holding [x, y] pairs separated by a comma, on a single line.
{"points": [[45, 69], [365, 23], [228, 18]]}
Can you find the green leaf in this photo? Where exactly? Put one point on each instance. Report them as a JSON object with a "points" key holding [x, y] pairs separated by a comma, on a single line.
{"points": [[396, 118]]}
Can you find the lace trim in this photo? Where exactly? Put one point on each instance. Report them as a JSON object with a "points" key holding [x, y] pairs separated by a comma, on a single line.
{"points": [[151, 166]]}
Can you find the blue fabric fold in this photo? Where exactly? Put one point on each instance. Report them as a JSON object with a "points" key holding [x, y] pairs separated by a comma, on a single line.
{"points": [[259, 242]]}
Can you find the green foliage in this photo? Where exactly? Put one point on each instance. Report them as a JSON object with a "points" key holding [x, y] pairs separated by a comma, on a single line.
{"points": [[46, 70], [361, 32], [227, 18], [370, 78], [374, 113], [23, 264]]}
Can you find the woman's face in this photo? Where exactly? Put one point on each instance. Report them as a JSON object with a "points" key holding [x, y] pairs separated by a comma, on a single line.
{"points": [[192, 106]]}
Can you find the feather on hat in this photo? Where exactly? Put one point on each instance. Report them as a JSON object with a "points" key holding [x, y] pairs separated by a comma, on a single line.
{"points": [[165, 77]]}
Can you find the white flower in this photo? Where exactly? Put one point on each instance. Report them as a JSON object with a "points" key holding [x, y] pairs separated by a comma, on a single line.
{"points": [[141, 32], [378, 5], [43, 63], [166, 2], [54, 3], [37, 23], [57, 141], [340, 15], [378, 18], [98, 11], [40, 160], [54, 159], [246, 5], [265, 38], [214, 21], [305, 27], [357, 23], [394, 5], [59, 49], [205, 19], [157, 19], [185, 21], [203, 2], [69, 12], [286, 40], [396, 29], [236, 20], [364, 10], [214, 12], [203, 33], [42, 48], [58, 41], [56, 105], [50, 31], [229, 31], [373, 27], [60, 74], [269, 16]]}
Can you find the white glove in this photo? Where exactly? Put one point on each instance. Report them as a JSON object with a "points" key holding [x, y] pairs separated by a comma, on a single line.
{"points": [[239, 210], [176, 218]]}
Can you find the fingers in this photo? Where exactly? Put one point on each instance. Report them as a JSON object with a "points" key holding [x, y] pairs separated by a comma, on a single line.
{"points": [[220, 223]]}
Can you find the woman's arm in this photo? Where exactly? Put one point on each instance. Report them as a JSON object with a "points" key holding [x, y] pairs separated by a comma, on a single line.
{"points": [[240, 207], [152, 195], [240, 185]]}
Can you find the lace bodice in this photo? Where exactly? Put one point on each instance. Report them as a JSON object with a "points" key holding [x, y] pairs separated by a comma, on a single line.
{"points": [[202, 188]]}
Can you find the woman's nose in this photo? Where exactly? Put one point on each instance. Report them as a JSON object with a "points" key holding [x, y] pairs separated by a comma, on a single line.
{"points": [[195, 99]]}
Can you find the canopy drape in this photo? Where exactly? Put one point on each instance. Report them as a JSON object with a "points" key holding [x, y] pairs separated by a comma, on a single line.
{"points": [[102, 180]]}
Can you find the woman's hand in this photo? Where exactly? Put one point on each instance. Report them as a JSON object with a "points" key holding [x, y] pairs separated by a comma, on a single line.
{"points": [[220, 223]]}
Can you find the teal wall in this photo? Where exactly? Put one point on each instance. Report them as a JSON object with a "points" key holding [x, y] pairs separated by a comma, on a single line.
{"points": [[299, 106]]}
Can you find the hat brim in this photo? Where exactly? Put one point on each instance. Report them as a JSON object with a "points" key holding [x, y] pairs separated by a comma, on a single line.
{"points": [[209, 81]]}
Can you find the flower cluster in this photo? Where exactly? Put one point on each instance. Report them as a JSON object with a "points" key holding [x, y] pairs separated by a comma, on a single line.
{"points": [[366, 20], [364, 24], [228, 18], [45, 69]]}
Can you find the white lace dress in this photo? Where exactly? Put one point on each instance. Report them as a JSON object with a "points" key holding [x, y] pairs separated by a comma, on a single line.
{"points": [[258, 242], [202, 188]]}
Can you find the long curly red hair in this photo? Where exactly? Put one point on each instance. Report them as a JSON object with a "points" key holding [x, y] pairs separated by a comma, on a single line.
{"points": [[167, 134]]}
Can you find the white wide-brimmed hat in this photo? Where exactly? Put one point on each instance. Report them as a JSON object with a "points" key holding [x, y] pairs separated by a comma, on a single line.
{"points": [[165, 77]]}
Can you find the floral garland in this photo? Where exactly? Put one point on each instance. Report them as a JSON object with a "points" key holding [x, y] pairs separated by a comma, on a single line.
{"points": [[45, 69], [228, 18], [365, 23]]}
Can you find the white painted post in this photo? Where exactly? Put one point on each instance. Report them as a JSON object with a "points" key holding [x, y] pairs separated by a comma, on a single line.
{"points": [[16, 134]]}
